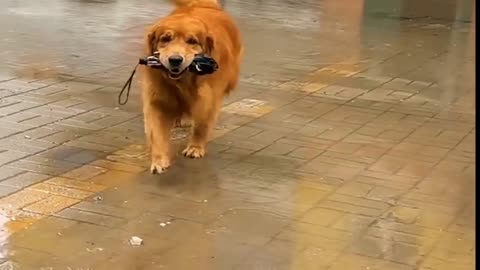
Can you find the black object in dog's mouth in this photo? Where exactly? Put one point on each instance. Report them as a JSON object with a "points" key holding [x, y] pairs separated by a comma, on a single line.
{"points": [[175, 73]]}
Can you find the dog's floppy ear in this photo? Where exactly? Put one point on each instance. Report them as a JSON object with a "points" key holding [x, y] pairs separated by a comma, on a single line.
{"points": [[150, 40]]}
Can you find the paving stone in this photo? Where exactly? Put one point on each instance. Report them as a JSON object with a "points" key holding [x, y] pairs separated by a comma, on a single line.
{"points": [[351, 208], [305, 153], [85, 216], [117, 166], [75, 184], [304, 229], [355, 189], [6, 172], [22, 198], [43, 166], [84, 173], [328, 243], [370, 247], [50, 205], [405, 254], [24, 180], [6, 190], [323, 217], [351, 262], [61, 190]]}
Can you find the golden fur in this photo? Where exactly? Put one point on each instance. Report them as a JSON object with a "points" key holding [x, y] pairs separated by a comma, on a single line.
{"points": [[195, 26]]}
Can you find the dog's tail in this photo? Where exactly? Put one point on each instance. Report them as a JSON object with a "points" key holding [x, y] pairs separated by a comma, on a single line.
{"points": [[197, 3]]}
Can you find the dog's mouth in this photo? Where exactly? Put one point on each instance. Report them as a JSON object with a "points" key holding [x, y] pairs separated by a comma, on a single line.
{"points": [[175, 73]]}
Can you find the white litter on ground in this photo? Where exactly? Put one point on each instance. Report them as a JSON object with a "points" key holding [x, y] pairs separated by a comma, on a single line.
{"points": [[136, 241]]}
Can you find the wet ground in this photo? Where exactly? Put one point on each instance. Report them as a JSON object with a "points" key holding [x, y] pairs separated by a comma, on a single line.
{"points": [[349, 144]]}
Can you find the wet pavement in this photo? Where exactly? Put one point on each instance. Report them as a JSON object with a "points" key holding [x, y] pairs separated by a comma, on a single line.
{"points": [[349, 144]]}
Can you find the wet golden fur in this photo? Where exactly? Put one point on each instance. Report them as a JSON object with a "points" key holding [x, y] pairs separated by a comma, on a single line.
{"points": [[195, 26]]}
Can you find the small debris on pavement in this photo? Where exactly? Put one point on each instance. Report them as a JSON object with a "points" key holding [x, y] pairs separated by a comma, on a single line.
{"points": [[98, 198], [164, 224], [92, 250], [136, 241]]}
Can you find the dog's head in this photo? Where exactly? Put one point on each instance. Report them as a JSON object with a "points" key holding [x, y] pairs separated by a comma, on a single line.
{"points": [[178, 39]]}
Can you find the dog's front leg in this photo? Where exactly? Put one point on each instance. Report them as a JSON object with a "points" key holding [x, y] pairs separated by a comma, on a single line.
{"points": [[204, 116], [157, 129]]}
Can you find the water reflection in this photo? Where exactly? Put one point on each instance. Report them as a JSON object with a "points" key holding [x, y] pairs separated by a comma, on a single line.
{"points": [[4, 235]]}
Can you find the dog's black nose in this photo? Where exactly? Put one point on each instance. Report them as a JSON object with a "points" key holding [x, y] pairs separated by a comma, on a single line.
{"points": [[175, 60]]}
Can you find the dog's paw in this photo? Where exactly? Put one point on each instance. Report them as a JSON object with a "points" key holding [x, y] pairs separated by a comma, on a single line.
{"points": [[194, 151], [158, 167]]}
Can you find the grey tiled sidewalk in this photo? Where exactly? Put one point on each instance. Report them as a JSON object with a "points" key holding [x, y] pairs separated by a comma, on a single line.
{"points": [[349, 144]]}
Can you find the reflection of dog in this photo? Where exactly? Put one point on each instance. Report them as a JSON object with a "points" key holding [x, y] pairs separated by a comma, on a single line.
{"points": [[170, 94]]}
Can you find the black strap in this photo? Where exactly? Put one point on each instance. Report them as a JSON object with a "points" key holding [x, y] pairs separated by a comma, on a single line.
{"points": [[127, 86]]}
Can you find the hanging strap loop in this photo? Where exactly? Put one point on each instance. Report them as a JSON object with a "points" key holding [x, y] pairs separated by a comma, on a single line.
{"points": [[127, 87]]}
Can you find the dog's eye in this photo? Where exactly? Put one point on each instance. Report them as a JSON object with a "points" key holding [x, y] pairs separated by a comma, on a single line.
{"points": [[192, 41], [165, 39]]}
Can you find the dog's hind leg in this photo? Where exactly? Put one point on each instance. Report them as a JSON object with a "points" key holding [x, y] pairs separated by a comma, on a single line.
{"points": [[183, 121]]}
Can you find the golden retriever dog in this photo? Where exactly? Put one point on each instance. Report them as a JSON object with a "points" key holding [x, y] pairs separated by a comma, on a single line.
{"points": [[173, 93]]}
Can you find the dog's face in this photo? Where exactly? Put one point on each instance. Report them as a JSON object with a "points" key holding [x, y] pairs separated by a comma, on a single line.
{"points": [[177, 40]]}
